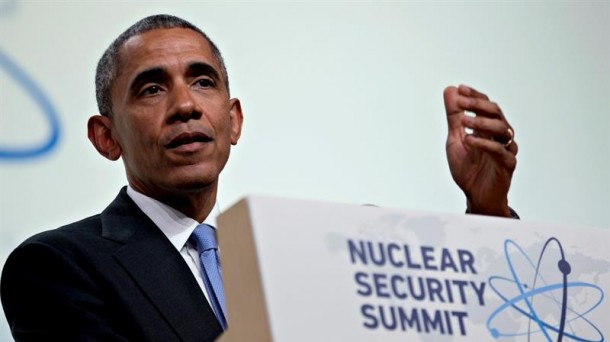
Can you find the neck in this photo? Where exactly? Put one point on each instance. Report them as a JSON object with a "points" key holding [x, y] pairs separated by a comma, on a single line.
{"points": [[196, 205]]}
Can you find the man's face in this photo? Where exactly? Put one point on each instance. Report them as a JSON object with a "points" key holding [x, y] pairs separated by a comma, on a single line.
{"points": [[172, 118]]}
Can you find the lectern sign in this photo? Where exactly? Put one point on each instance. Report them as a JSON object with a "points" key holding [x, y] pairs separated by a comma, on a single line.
{"points": [[413, 284], [311, 271]]}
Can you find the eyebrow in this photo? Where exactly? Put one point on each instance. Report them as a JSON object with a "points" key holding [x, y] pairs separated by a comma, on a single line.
{"points": [[194, 69], [200, 68], [148, 75]]}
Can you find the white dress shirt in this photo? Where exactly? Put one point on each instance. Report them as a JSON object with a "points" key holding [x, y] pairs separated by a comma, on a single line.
{"points": [[177, 227]]}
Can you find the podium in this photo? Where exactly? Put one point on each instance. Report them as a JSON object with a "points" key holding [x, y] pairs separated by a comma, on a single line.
{"points": [[299, 270]]}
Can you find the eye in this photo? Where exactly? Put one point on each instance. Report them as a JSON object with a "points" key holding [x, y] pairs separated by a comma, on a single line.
{"points": [[204, 83], [152, 90]]}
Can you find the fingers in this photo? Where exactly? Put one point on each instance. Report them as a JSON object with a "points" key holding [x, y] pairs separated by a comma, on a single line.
{"points": [[492, 145], [492, 135], [496, 130], [489, 122], [468, 91], [473, 101], [505, 155], [463, 98]]}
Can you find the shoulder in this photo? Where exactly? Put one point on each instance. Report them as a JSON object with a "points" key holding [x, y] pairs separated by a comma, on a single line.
{"points": [[75, 234], [62, 248], [86, 233]]}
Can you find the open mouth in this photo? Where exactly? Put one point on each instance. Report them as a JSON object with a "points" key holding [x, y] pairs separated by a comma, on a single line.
{"points": [[188, 138]]}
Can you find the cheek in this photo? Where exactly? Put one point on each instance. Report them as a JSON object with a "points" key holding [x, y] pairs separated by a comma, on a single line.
{"points": [[226, 133], [221, 121], [136, 140]]}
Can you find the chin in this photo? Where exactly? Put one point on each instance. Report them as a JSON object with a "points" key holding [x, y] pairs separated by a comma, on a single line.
{"points": [[195, 186], [194, 180]]}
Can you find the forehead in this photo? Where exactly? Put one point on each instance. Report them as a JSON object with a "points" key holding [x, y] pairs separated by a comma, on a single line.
{"points": [[164, 48]]}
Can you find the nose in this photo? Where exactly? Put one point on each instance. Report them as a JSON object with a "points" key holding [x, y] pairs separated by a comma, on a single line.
{"points": [[184, 106]]}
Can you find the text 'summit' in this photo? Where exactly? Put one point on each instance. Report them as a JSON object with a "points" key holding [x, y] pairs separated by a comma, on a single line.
{"points": [[415, 288]]}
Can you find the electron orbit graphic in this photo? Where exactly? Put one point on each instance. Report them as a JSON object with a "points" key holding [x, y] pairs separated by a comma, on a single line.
{"points": [[18, 76], [546, 305], [40, 99]]}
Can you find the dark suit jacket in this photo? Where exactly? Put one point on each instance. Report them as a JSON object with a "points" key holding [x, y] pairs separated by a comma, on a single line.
{"points": [[110, 277]]}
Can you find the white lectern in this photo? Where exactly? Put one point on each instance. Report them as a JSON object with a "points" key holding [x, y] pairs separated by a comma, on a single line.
{"points": [[311, 271]]}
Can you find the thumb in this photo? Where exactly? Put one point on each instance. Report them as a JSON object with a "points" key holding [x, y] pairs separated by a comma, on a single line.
{"points": [[453, 110]]}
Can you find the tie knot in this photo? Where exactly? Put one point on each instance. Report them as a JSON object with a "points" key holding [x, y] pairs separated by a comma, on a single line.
{"points": [[205, 237]]}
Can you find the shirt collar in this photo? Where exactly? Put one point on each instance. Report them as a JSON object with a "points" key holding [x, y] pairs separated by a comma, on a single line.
{"points": [[176, 226]]}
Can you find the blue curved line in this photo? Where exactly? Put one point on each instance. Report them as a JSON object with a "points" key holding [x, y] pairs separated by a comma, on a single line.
{"points": [[533, 316], [563, 305], [22, 79], [511, 303], [572, 284], [576, 314], [541, 290]]}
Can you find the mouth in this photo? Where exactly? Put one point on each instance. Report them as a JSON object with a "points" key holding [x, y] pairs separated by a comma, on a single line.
{"points": [[188, 138]]}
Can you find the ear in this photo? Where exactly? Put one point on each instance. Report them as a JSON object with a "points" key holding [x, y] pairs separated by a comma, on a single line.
{"points": [[99, 131], [237, 120]]}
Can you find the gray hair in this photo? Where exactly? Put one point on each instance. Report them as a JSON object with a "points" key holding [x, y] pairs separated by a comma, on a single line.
{"points": [[109, 65]]}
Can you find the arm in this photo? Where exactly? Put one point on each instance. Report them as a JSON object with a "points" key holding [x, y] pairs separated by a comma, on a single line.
{"points": [[481, 163]]}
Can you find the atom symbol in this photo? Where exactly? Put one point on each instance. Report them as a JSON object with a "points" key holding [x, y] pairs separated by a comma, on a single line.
{"points": [[545, 307]]}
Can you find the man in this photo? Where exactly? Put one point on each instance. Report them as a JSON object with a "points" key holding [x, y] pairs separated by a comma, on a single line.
{"points": [[130, 273]]}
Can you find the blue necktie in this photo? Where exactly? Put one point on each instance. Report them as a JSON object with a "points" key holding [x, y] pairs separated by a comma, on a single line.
{"points": [[205, 238]]}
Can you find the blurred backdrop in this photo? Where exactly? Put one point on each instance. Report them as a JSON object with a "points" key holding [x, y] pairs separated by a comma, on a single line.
{"points": [[342, 102]]}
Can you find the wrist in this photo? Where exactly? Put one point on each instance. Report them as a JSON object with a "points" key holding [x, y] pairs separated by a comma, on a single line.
{"points": [[500, 209]]}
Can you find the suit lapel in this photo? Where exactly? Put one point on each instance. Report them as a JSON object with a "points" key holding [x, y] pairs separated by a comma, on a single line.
{"points": [[159, 270]]}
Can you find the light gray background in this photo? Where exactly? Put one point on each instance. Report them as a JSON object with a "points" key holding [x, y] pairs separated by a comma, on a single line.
{"points": [[342, 102]]}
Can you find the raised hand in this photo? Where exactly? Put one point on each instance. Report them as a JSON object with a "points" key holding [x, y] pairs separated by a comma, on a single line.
{"points": [[482, 162]]}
